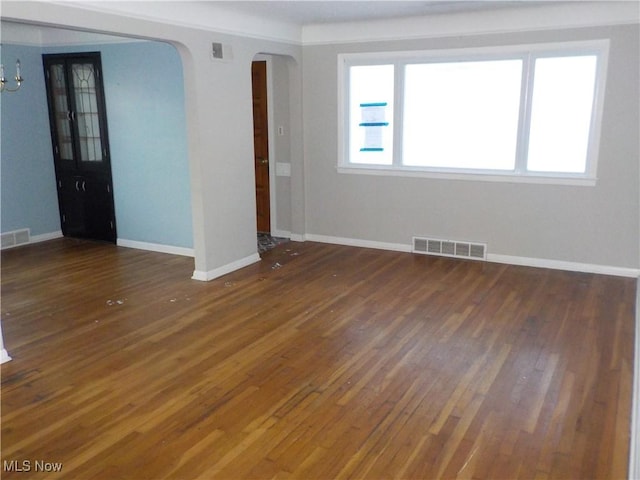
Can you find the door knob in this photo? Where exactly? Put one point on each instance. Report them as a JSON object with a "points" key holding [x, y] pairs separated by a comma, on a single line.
{"points": [[263, 161]]}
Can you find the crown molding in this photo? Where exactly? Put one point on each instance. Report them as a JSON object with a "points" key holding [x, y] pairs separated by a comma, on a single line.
{"points": [[42, 36], [200, 15], [532, 16]]}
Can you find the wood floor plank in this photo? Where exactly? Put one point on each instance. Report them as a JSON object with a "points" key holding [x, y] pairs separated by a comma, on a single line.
{"points": [[319, 362]]}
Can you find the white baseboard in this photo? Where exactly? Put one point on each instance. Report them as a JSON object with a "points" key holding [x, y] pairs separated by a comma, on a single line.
{"points": [[491, 257], [297, 237], [562, 265], [634, 449], [281, 233], [228, 268], [156, 247], [356, 242], [44, 237], [4, 356]]}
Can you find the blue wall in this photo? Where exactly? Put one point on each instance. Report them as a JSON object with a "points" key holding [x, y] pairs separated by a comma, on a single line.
{"points": [[147, 134], [28, 183]]}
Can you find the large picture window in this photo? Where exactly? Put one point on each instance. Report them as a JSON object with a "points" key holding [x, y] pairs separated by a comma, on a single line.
{"points": [[523, 112]]}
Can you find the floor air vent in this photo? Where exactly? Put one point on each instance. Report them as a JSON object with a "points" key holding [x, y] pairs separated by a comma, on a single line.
{"points": [[15, 238], [450, 248]]}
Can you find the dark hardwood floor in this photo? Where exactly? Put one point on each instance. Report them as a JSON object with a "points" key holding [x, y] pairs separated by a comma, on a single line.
{"points": [[320, 362]]}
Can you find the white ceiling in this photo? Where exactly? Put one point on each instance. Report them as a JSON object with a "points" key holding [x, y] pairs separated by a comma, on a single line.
{"points": [[313, 21], [310, 12], [254, 16]]}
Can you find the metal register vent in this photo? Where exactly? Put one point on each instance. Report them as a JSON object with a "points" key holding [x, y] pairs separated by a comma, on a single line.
{"points": [[450, 248], [15, 238]]}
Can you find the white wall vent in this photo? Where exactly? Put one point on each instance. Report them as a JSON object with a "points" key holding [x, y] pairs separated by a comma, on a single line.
{"points": [[450, 248], [15, 238], [221, 52]]}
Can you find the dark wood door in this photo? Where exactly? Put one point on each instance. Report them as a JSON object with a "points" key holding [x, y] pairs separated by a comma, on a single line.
{"points": [[77, 115], [261, 145]]}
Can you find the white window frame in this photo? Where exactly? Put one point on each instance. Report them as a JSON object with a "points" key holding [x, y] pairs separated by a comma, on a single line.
{"points": [[528, 53]]}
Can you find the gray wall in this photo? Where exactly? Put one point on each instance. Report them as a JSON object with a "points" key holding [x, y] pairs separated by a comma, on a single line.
{"points": [[588, 225]]}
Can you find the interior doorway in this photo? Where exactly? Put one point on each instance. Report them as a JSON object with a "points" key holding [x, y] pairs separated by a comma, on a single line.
{"points": [[277, 135], [261, 145]]}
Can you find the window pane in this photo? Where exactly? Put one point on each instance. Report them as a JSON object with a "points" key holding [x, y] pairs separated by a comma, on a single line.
{"points": [[371, 114], [563, 92], [61, 111], [462, 114], [86, 103]]}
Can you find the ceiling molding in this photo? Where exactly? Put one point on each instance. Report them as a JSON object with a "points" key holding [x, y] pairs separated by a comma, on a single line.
{"points": [[43, 36], [529, 15], [535, 16], [203, 15]]}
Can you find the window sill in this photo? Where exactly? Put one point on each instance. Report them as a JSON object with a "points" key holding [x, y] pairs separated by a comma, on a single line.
{"points": [[482, 176]]}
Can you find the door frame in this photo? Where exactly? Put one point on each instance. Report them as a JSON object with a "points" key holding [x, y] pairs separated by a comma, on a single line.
{"points": [[271, 139]]}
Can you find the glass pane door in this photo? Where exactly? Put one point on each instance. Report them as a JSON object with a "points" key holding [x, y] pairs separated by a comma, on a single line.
{"points": [[62, 113], [86, 112]]}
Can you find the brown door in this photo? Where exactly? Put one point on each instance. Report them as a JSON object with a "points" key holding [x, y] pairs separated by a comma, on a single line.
{"points": [[261, 144]]}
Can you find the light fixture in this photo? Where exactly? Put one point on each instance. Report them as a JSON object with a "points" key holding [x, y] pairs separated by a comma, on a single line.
{"points": [[18, 78]]}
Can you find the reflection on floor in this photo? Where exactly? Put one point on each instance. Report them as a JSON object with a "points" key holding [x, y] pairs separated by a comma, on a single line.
{"points": [[267, 242]]}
